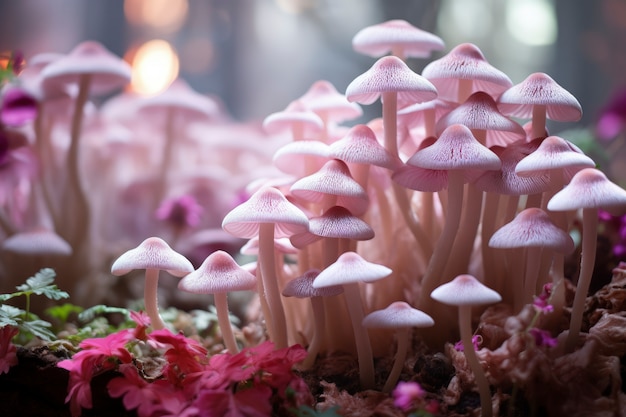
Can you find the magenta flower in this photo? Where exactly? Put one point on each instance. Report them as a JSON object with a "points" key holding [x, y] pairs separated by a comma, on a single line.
{"points": [[477, 340], [180, 212], [612, 117], [8, 352], [407, 395], [543, 337], [136, 392], [18, 108]]}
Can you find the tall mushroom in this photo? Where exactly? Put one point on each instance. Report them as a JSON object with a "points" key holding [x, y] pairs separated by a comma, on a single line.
{"points": [[219, 274], [465, 291], [268, 215], [153, 255], [350, 269], [588, 190]]}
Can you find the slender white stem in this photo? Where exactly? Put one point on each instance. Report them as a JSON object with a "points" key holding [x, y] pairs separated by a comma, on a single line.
{"points": [[590, 235], [465, 325], [150, 298], [402, 339], [221, 305], [361, 338]]}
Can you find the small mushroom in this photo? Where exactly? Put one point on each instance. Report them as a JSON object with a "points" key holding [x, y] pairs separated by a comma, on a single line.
{"points": [[153, 255], [465, 291], [401, 317], [219, 274]]}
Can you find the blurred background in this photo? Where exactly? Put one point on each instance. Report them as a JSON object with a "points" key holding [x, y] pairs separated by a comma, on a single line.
{"points": [[258, 55]]}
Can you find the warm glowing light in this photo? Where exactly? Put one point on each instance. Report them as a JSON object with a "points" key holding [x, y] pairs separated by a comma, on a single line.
{"points": [[532, 22], [155, 66], [163, 14]]}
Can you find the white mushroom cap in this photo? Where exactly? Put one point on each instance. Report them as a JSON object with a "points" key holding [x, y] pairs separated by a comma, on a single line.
{"points": [[465, 290], [219, 273], [37, 242], [350, 268], [302, 287], [152, 253], [396, 316]]}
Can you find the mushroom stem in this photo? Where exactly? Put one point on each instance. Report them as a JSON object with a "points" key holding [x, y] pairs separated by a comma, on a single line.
{"points": [[589, 243], [166, 156], [317, 304], [465, 313], [270, 284], [80, 214], [361, 338], [150, 298], [402, 338], [538, 121], [221, 305], [390, 128]]}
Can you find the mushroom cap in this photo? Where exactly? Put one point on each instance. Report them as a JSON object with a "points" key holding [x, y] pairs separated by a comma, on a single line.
{"points": [[296, 157], [152, 253], [398, 315], [332, 179], [108, 71], [324, 100], [219, 273], [590, 188], [37, 242], [465, 290], [540, 89], [390, 74], [421, 179], [282, 245], [360, 146], [350, 268], [456, 149], [532, 227], [336, 222], [187, 103], [480, 112], [383, 38], [506, 181], [266, 205], [465, 62], [295, 114], [554, 153], [302, 287]]}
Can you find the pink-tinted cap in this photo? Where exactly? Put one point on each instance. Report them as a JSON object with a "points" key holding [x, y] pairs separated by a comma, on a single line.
{"points": [[465, 290], [360, 146], [266, 205], [152, 253], [398, 315], [390, 74], [465, 62], [396, 36], [532, 227], [302, 287], [554, 153], [219, 273], [350, 268], [38, 241], [540, 89]]}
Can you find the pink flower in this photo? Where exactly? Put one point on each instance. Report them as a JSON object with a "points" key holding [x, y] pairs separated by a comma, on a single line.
{"points": [[183, 211], [18, 108], [477, 340], [248, 402], [111, 346], [543, 337], [8, 352], [143, 322], [407, 395], [184, 356], [136, 391], [81, 372]]}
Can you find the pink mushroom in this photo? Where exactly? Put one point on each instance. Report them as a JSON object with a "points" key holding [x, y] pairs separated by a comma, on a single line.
{"points": [[153, 255], [350, 269], [588, 190], [219, 274], [398, 37], [465, 292], [268, 215]]}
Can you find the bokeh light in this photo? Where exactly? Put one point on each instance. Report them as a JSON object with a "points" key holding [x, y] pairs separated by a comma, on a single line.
{"points": [[532, 22], [155, 66], [166, 15]]}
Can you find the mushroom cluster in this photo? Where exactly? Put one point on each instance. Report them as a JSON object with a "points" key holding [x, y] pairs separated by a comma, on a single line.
{"points": [[443, 205]]}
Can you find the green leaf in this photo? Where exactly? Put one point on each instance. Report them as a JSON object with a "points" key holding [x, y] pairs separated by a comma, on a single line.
{"points": [[91, 313], [42, 283], [63, 312], [39, 328]]}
